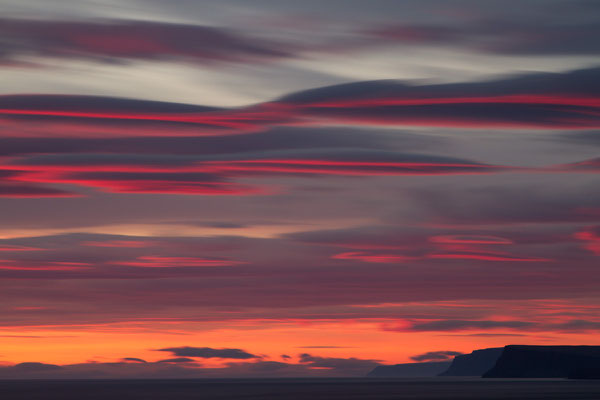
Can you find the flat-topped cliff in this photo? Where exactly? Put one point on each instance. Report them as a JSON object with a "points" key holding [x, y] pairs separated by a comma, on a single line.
{"points": [[546, 362]]}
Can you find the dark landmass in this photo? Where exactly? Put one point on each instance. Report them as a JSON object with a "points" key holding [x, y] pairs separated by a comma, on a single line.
{"points": [[410, 370], [547, 362], [574, 362], [585, 373], [301, 389], [475, 364]]}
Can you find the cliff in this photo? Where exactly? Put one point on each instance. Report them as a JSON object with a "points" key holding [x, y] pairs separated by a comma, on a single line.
{"points": [[475, 364], [546, 362]]}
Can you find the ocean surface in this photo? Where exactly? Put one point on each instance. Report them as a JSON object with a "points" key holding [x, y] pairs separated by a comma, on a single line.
{"points": [[296, 389]]}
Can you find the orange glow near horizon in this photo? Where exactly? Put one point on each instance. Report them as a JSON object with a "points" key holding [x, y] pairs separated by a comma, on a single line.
{"points": [[374, 338]]}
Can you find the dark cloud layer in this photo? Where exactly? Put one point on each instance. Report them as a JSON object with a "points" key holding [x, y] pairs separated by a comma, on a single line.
{"points": [[537, 100], [113, 41], [213, 174], [506, 204], [24, 190], [500, 36], [105, 40], [456, 325], [208, 165]]}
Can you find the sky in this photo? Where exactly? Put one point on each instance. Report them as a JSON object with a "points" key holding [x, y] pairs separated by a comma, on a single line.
{"points": [[261, 188]]}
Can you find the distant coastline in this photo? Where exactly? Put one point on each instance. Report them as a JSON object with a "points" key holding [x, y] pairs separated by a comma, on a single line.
{"points": [[512, 361]]}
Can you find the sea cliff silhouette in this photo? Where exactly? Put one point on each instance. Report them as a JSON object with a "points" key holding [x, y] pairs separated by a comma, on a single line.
{"points": [[547, 362], [475, 364], [513, 361]]}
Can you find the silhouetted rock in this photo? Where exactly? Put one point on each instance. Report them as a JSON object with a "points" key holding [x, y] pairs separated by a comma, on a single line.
{"points": [[546, 362], [475, 364], [410, 370]]}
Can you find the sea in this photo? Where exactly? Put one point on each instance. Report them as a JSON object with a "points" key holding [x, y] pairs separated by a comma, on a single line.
{"points": [[302, 389]]}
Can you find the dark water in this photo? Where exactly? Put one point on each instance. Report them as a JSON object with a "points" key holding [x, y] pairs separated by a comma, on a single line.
{"points": [[295, 389]]}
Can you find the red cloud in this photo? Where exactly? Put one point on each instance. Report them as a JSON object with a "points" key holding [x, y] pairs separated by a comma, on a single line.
{"points": [[18, 248], [469, 239], [485, 257], [166, 262], [120, 243], [201, 176], [50, 266], [591, 239], [372, 257], [549, 101]]}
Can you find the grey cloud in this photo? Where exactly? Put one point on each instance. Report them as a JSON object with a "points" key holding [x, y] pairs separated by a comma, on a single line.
{"points": [[276, 138], [366, 103], [36, 367], [177, 360], [207, 352], [168, 160], [457, 325], [109, 41], [134, 359], [578, 325], [500, 36], [443, 355], [26, 190], [514, 202], [57, 102], [343, 366], [584, 81], [586, 138]]}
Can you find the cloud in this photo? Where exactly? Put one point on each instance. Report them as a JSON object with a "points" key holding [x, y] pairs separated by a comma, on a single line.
{"points": [[134, 359], [207, 352], [120, 243], [123, 40], [24, 191], [537, 100], [343, 366], [487, 335], [309, 366], [385, 245], [443, 355], [550, 100], [273, 139], [578, 325], [18, 248], [585, 138], [175, 269], [459, 325], [35, 367], [47, 116], [174, 262], [213, 174], [570, 326], [499, 36], [590, 238], [177, 360], [592, 166], [506, 204]]}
